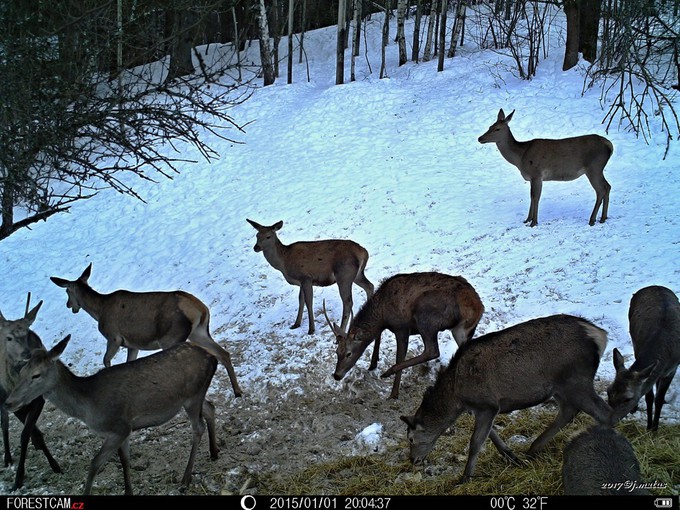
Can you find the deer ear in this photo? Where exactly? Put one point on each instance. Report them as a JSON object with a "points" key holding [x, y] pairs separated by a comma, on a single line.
{"points": [[58, 349], [501, 115], [86, 274], [646, 372], [60, 282], [277, 225], [30, 316], [509, 117], [255, 225], [618, 360]]}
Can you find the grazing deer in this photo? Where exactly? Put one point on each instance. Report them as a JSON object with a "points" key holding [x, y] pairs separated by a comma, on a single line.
{"points": [[408, 304], [315, 263], [599, 462], [515, 368], [16, 341], [564, 159], [118, 400], [145, 320], [654, 317]]}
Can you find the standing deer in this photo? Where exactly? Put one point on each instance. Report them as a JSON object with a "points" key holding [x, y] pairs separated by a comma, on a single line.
{"points": [[654, 317], [145, 320], [16, 341], [315, 263], [599, 462], [409, 304], [515, 368], [563, 159], [118, 400]]}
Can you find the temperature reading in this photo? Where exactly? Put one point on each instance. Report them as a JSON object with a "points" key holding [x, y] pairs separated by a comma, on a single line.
{"points": [[503, 503]]}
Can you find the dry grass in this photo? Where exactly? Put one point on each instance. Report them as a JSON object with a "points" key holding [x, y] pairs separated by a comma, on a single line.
{"points": [[392, 474]]}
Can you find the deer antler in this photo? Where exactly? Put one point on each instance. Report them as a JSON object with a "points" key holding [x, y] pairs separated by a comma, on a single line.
{"points": [[334, 327]]}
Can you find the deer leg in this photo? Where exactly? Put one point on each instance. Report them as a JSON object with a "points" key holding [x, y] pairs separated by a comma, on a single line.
{"points": [[565, 414], [301, 306], [132, 354], [602, 188], [112, 442], [535, 193], [345, 288], [430, 352], [112, 347], [124, 456], [4, 421], [204, 340], [483, 423], [502, 447], [364, 283], [193, 409], [208, 412], [649, 399], [662, 386], [309, 303], [402, 347], [376, 353]]}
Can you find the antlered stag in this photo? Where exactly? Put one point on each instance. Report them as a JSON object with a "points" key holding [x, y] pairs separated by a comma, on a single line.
{"points": [[145, 320], [315, 263], [118, 400], [16, 342], [515, 368], [654, 317], [562, 159], [409, 304]]}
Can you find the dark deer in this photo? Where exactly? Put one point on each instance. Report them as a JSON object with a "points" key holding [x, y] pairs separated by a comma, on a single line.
{"points": [[409, 304], [145, 320], [600, 462], [118, 400], [515, 368], [315, 263], [563, 159], [654, 317], [16, 341]]}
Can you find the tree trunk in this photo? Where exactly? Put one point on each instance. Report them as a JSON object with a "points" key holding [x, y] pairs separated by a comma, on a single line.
{"points": [[385, 40], [415, 52], [401, 36], [340, 48], [589, 14], [291, 14], [184, 28], [571, 10], [442, 37], [427, 54], [458, 25], [265, 51]]}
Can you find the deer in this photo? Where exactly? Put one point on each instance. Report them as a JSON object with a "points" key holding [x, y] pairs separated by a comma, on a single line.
{"points": [[564, 159], [654, 324], [515, 368], [423, 303], [600, 462], [117, 400], [315, 263], [145, 320], [16, 341]]}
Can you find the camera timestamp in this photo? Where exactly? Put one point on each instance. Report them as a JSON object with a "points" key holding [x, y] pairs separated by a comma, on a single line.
{"points": [[328, 503]]}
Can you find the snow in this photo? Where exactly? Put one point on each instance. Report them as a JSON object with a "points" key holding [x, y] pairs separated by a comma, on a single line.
{"points": [[395, 165]]}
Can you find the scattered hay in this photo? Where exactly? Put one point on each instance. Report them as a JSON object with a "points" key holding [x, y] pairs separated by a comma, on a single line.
{"points": [[392, 474]]}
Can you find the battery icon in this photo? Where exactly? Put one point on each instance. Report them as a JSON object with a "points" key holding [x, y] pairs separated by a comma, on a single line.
{"points": [[663, 502]]}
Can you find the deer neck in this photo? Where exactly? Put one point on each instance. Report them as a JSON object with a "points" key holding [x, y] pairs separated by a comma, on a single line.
{"points": [[91, 301], [276, 255], [511, 149], [70, 394]]}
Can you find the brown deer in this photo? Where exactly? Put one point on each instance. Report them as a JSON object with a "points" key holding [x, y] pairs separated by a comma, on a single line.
{"points": [[515, 368], [145, 320], [118, 400], [600, 462], [315, 263], [654, 317], [16, 341], [408, 304], [563, 159]]}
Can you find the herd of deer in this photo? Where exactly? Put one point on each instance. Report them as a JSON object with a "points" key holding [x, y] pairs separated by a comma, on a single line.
{"points": [[515, 368]]}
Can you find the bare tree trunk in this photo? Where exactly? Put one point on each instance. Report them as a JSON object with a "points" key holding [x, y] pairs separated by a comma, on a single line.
{"points": [[415, 52], [385, 40], [356, 36], [442, 37], [427, 54], [590, 12], [265, 51], [571, 10], [303, 23], [458, 25], [401, 37], [291, 14], [340, 51]]}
